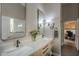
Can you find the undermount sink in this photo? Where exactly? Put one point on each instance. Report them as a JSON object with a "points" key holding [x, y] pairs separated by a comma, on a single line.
{"points": [[37, 43], [26, 50], [18, 51]]}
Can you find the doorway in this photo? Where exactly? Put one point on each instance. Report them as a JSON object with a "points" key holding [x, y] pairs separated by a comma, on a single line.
{"points": [[69, 46], [70, 33]]}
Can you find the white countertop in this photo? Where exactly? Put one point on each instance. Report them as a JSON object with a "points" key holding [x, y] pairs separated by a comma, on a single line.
{"points": [[27, 49]]}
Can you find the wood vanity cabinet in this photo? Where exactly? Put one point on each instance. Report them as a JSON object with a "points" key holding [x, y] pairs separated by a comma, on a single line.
{"points": [[44, 51]]}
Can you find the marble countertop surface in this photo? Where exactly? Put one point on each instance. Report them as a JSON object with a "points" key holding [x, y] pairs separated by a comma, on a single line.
{"points": [[27, 49]]}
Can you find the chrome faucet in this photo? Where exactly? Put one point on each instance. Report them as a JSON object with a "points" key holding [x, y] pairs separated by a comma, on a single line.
{"points": [[43, 36], [17, 42]]}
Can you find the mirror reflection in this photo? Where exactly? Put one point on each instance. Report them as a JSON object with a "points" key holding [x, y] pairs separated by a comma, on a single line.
{"points": [[13, 21], [41, 22]]}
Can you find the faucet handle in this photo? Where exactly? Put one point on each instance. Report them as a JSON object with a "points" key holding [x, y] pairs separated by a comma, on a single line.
{"points": [[18, 41]]}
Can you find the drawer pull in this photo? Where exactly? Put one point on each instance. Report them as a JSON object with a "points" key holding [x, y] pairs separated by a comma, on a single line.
{"points": [[45, 51], [45, 47]]}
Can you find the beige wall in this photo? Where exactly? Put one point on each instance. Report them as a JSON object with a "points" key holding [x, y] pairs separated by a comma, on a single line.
{"points": [[69, 11]]}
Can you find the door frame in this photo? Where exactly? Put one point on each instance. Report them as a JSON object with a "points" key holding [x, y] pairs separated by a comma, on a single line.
{"points": [[62, 35], [76, 36]]}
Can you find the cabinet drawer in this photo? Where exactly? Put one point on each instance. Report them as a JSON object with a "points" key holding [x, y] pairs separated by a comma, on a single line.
{"points": [[45, 50], [45, 47]]}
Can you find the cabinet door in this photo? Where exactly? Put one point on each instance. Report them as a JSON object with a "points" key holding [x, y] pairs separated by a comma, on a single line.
{"points": [[46, 50]]}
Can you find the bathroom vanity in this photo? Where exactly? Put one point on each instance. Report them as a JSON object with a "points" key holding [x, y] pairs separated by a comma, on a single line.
{"points": [[43, 51], [41, 47]]}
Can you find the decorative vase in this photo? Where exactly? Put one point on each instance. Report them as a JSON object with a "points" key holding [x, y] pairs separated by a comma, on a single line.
{"points": [[33, 39], [34, 33]]}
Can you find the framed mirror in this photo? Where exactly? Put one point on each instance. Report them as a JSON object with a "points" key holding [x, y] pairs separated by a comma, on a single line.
{"points": [[13, 21], [40, 22], [12, 28]]}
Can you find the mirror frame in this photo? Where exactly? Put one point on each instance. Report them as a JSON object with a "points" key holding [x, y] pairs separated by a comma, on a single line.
{"points": [[38, 16], [24, 26]]}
